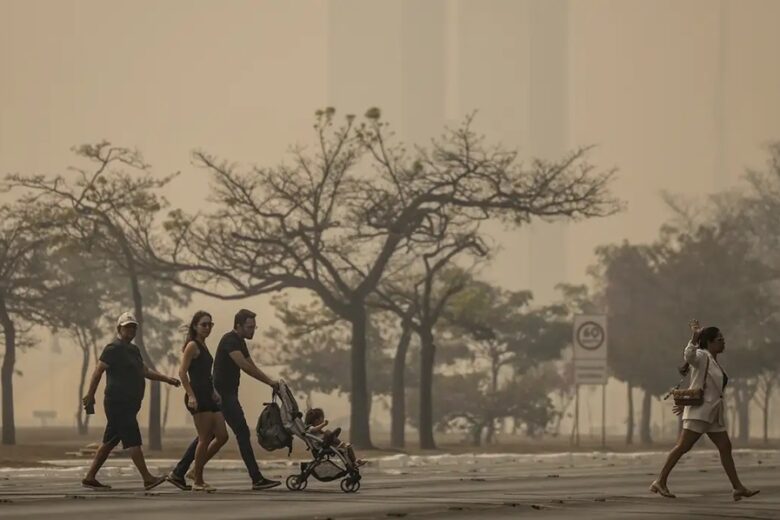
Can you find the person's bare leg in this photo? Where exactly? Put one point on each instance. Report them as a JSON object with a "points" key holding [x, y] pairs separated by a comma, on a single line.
{"points": [[137, 455], [723, 443], [685, 442], [203, 424], [100, 458], [219, 438], [350, 452]]}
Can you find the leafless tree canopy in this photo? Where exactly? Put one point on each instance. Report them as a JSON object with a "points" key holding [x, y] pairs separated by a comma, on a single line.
{"points": [[331, 220]]}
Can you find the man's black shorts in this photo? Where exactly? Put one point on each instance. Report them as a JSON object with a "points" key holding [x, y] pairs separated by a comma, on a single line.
{"points": [[122, 425]]}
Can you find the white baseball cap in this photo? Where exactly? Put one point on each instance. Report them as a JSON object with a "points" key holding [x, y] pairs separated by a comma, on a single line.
{"points": [[126, 318]]}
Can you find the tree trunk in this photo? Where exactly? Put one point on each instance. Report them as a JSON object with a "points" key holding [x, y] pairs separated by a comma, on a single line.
{"points": [[476, 435], [165, 408], [398, 403], [7, 374], [490, 431], [742, 396], [644, 425], [82, 420], [427, 354], [767, 397], [494, 369], [359, 427], [743, 414], [630, 415]]}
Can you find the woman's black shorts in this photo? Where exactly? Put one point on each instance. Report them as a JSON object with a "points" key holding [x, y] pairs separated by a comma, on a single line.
{"points": [[205, 399], [121, 424]]}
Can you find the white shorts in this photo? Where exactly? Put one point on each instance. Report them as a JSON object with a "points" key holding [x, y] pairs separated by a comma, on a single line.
{"points": [[698, 426]]}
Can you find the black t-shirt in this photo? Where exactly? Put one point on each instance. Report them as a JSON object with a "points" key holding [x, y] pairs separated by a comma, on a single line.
{"points": [[226, 372], [125, 373]]}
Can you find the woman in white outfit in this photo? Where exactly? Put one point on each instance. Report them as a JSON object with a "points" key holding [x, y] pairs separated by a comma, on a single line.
{"points": [[701, 356]]}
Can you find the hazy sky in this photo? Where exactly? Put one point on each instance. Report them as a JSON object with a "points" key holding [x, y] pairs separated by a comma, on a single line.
{"points": [[680, 95]]}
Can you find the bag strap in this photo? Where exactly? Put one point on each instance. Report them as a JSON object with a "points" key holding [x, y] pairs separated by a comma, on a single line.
{"points": [[704, 386], [676, 387], [706, 371]]}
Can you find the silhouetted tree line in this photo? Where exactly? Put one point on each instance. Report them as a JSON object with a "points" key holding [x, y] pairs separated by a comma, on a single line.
{"points": [[387, 240]]}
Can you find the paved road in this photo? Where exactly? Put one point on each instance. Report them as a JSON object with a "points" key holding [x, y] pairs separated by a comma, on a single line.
{"points": [[602, 486]]}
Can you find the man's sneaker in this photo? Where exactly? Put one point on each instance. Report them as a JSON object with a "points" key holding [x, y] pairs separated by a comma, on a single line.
{"points": [[178, 481], [264, 483], [94, 484]]}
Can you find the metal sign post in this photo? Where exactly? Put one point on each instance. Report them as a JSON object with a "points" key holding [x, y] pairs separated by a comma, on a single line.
{"points": [[590, 361]]}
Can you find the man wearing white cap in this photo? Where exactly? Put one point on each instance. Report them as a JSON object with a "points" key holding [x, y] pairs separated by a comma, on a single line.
{"points": [[125, 373]]}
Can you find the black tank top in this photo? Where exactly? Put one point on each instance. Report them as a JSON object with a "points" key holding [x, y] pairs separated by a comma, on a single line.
{"points": [[199, 371]]}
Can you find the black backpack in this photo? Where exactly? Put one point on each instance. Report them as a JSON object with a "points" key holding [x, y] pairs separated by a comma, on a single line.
{"points": [[271, 433]]}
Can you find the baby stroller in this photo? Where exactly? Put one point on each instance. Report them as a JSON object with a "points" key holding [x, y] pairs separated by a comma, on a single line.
{"points": [[328, 462]]}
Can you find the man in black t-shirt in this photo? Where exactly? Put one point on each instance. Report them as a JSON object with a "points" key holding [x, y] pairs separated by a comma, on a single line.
{"points": [[231, 358], [125, 383]]}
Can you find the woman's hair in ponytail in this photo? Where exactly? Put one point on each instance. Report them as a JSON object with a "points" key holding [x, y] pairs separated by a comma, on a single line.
{"points": [[705, 337]]}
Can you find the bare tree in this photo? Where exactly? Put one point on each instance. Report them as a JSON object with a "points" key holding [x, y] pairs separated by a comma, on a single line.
{"points": [[87, 340], [27, 283], [419, 300], [90, 288], [331, 221], [767, 381], [113, 204]]}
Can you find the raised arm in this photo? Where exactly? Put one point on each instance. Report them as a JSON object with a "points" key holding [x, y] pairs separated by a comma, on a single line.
{"points": [[692, 353], [248, 365]]}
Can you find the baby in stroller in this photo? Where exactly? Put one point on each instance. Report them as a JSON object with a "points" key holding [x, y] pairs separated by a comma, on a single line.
{"points": [[315, 424], [329, 462]]}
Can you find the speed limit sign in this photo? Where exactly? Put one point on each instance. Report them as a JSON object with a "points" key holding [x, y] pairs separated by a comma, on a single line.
{"points": [[590, 335], [590, 349]]}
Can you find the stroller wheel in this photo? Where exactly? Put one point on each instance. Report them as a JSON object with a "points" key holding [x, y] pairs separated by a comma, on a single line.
{"points": [[294, 483], [350, 486]]}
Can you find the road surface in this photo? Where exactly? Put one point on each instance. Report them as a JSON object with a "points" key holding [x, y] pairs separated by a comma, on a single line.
{"points": [[552, 486]]}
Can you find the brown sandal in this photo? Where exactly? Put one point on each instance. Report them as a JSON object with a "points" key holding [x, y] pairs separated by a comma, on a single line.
{"points": [[94, 484], [657, 488], [154, 483], [739, 494]]}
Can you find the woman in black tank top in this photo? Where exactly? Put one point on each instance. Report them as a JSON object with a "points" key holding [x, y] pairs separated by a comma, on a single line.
{"points": [[201, 400], [199, 373]]}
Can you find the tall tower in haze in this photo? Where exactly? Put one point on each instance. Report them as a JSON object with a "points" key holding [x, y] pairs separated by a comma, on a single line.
{"points": [[548, 129], [391, 55], [431, 63], [720, 168], [512, 67], [365, 66]]}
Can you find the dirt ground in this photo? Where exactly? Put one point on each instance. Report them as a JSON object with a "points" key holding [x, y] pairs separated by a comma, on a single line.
{"points": [[34, 445]]}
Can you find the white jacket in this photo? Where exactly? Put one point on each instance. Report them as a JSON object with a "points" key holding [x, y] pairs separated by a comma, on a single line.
{"points": [[712, 410]]}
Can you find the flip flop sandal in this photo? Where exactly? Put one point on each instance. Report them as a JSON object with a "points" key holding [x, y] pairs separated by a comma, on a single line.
{"points": [[203, 488], [655, 487], [154, 483], [744, 493], [94, 484]]}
